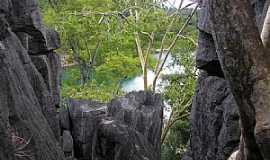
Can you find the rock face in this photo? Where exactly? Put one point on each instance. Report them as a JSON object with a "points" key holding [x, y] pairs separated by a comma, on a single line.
{"points": [[84, 117], [126, 128], [215, 128], [27, 98], [142, 112], [116, 141]]}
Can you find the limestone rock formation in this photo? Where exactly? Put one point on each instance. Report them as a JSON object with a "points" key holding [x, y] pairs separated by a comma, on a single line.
{"points": [[215, 128], [126, 128], [215, 125], [117, 141], [27, 105], [215, 131], [141, 111], [243, 54], [83, 118]]}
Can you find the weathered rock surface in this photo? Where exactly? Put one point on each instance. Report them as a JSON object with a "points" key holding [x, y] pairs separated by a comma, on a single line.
{"points": [[206, 58], [84, 116], [50, 68], [51, 39], [215, 128], [141, 111], [27, 107], [6, 147], [206, 52], [67, 144], [204, 17], [117, 141], [25, 111], [126, 128]]}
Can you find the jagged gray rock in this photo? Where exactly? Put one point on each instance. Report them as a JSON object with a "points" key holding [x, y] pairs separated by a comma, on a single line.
{"points": [[215, 128], [126, 128], [42, 93], [215, 131], [50, 68], [206, 52], [204, 17], [27, 106], [6, 147], [42, 65], [81, 117], [117, 141], [67, 144], [54, 76], [51, 39], [141, 111], [206, 57], [25, 114]]}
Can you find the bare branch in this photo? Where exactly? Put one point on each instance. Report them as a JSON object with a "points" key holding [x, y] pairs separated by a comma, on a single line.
{"points": [[165, 36], [173, 45]]}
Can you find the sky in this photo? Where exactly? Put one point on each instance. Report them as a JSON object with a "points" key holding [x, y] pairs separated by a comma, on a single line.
{"points": [[177, 2]]}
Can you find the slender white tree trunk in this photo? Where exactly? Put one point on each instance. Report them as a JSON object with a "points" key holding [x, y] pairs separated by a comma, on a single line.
{"points": [[265, 34]]}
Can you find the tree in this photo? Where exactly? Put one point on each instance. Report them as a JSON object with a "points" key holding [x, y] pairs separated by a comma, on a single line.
{"points": [[82, 33], [265, 33], [164, 38], [245, 63], [178, 94]]}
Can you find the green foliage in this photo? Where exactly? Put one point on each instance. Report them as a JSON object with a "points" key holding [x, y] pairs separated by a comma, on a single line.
{"points": [[179, 95], [105, 82], [181, 87], [83, 24], [174, 147], [111, 72], [92, 90]]}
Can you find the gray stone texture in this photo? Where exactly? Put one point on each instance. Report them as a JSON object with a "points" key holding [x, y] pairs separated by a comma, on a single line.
{"points": [[215, 128], [27, 105], [126, 128]]}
